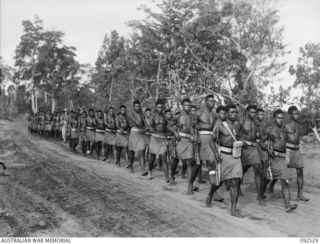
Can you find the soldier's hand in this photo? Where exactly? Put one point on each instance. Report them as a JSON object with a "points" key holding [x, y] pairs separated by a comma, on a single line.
{"points": [[270, 153]]}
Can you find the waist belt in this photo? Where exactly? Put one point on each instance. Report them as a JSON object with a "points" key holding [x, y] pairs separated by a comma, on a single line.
{"points": [[250, 143], [122, 132], [279, 154], [205, 132], [185, 135], [74, 129], [137, 129], [109, 130], [99, 131], [148, 133], [170, 137], [89, 128], [225, 150], [158, 136], [292, 146]]}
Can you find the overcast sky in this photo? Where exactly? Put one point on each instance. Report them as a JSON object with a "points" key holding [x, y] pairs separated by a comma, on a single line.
{"points": [[85, 23]]}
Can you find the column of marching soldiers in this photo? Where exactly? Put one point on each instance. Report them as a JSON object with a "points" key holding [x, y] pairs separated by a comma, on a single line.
{"points": [[210, 136]]}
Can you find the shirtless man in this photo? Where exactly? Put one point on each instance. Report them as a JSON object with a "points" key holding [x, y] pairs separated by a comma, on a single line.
{"points": [[250, 154], [137, 137], [82, 126], [73, 125], [206, 120], [158, 141], [110, 134], [186, 137], [171, 144], [231, 168], [276, 136], [147, 119], [99, 133], [89, 132], [122, 137], [294, 158]]}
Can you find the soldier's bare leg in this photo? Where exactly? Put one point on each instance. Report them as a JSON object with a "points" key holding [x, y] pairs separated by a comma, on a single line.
{"points": [[105, 150], [286, 197], [200, 179], [152, 158], [142, 159], [165, 166], [118, 155], [131, 160], [192, 170], [300, 185], [257, 180], [244, 170], [98, 149], [212, 179], [174, 165], [233, 184], [183, 169], [271, 186]]}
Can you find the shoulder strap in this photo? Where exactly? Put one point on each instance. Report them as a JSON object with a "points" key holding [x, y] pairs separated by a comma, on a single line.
{"points": [[229, 131]]}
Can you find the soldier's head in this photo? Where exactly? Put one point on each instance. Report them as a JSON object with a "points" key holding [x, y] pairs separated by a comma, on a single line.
{"points": [[186, 105], [232, 112], [99, 113], [261, 114], [84, 114], [252, 111], [294, 113], [72, 114], [91, 112], [111, 110], [148, 112], [209, 101], [221, 111], [159, 107], [193, 109], [168, 114], [278, 117], [123, 109], [137, 106]]}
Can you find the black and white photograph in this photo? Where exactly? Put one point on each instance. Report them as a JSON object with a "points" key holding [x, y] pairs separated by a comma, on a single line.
{"points": [[159, 118]]}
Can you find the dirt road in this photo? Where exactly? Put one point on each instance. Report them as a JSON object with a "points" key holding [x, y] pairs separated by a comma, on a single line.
{"points": [[52, 192]]}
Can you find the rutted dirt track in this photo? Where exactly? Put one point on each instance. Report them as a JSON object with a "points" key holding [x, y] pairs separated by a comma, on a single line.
{"points": [[51, 192]]}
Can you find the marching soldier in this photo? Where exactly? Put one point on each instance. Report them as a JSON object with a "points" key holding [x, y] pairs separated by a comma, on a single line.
{"points": [[122, 137], [82, 126], [186, 136], [276, 137], [293, 153], [171, 144], [48, 125], [73, 125], [137, 137], [250, 154], [206, 120], [227, 133], [110, 134], [158, 141], [147, 118], [89, 133], [100, 133], [64, 124]]}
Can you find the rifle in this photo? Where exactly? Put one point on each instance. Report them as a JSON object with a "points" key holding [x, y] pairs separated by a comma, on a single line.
{"points": [[269, 171]]}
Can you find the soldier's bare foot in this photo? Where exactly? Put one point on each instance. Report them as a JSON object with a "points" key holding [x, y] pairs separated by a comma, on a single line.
{"points": [[217, 197], [195, 188], [262, 202], [144, 173], [209, 202], [302, 198], [201, 181], [150, 177], [104, 159], [236, 213], [291, 208], [171, 181], [183, 176]]}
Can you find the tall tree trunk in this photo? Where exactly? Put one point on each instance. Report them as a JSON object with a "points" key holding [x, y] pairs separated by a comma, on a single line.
{"points": [[158, 78], [110, 91]]}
